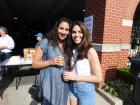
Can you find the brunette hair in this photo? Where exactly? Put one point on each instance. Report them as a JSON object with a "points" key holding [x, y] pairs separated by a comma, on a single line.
{"points": [[85, 44], [53, 34], [53, 39]]}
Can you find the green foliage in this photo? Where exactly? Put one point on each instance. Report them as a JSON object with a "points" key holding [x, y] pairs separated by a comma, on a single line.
{"points": [[121, 87], [124, 74], [138, 53], [125, 70], [118, 88]]}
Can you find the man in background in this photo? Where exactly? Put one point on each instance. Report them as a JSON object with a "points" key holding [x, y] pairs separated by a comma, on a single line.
{"points": [[6, 45], [39, 36]]}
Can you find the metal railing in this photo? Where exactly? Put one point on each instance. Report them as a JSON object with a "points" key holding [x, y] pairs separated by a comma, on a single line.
{"points": [[135, 41]]}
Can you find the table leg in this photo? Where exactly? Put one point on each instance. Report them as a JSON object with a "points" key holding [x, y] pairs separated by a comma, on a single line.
{"points": [[18, 79]]}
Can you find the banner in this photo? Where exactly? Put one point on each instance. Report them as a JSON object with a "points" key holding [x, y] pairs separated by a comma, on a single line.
{"points": [[89, 23]]}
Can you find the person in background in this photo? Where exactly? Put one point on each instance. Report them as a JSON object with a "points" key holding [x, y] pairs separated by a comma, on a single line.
{"points": [[39, 36], [6, 46], [86, 68], [50, 57]]}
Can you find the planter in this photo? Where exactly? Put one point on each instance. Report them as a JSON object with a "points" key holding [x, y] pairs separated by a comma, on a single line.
{"points": [[110, 99]]}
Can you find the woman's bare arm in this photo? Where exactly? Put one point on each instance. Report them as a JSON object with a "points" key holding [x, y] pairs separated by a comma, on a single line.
{"points": [[37, 59], [38, 63], [96, 74]]}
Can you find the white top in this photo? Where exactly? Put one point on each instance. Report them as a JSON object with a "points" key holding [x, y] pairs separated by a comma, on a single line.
{"points": [[81, 67], [7, 40]]}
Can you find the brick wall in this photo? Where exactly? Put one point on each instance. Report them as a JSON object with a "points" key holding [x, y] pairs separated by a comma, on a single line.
{"points": [[108, 29], [97, 9]]}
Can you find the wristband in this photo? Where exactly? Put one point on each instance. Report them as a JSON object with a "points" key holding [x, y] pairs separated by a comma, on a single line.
{"points": [[50, 62]]}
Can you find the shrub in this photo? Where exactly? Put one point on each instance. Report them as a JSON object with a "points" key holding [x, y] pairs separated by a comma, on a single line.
{"points": [[124, 74], [121, 87], [118, 88]]}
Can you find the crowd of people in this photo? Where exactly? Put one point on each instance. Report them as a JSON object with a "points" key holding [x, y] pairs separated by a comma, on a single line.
{"points": [[69, 65]]}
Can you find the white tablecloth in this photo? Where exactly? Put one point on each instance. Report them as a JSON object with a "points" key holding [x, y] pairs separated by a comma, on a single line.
{"points": [[16, 61]]}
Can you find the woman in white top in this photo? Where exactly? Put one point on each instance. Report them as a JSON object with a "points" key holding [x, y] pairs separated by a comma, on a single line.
{"points": [[86, 68]]}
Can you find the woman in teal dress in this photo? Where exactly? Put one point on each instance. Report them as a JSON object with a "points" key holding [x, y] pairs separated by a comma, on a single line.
{"points": [[50, 56]]}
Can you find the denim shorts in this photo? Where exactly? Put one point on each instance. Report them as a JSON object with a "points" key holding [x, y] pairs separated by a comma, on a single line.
{"points": [[84, 92]]}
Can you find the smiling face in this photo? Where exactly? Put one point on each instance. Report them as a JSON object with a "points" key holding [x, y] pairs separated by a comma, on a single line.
{"points": [[63, 30], [77, 34]]}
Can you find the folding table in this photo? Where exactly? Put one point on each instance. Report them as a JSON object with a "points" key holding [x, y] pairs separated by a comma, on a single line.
{"points": [[16, 62]]}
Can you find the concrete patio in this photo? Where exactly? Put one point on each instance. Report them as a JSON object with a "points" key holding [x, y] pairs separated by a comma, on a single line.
{"points": [[10, 96]]}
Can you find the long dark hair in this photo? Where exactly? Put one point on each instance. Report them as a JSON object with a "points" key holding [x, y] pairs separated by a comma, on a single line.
{"points": [[53, 39], [85, 44], [53, 34]]}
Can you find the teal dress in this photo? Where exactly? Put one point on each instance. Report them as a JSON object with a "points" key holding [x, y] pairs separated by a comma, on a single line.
{"points": [[55, 90]]}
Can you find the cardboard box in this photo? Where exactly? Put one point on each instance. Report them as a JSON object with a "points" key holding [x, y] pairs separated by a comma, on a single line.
{"points": [[28, 53]]}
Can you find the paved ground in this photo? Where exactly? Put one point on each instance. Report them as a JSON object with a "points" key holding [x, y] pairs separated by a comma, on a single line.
{"points": [[10, 96]]}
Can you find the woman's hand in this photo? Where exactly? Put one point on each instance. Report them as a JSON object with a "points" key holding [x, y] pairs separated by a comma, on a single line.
{"points": [[59, 60], [69, 76]]}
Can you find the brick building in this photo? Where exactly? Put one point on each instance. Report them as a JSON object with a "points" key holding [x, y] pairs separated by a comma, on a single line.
{"points": [[112, 24]]}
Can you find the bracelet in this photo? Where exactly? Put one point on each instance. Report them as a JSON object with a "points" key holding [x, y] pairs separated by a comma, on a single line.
{"points": [[50, 63]]}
